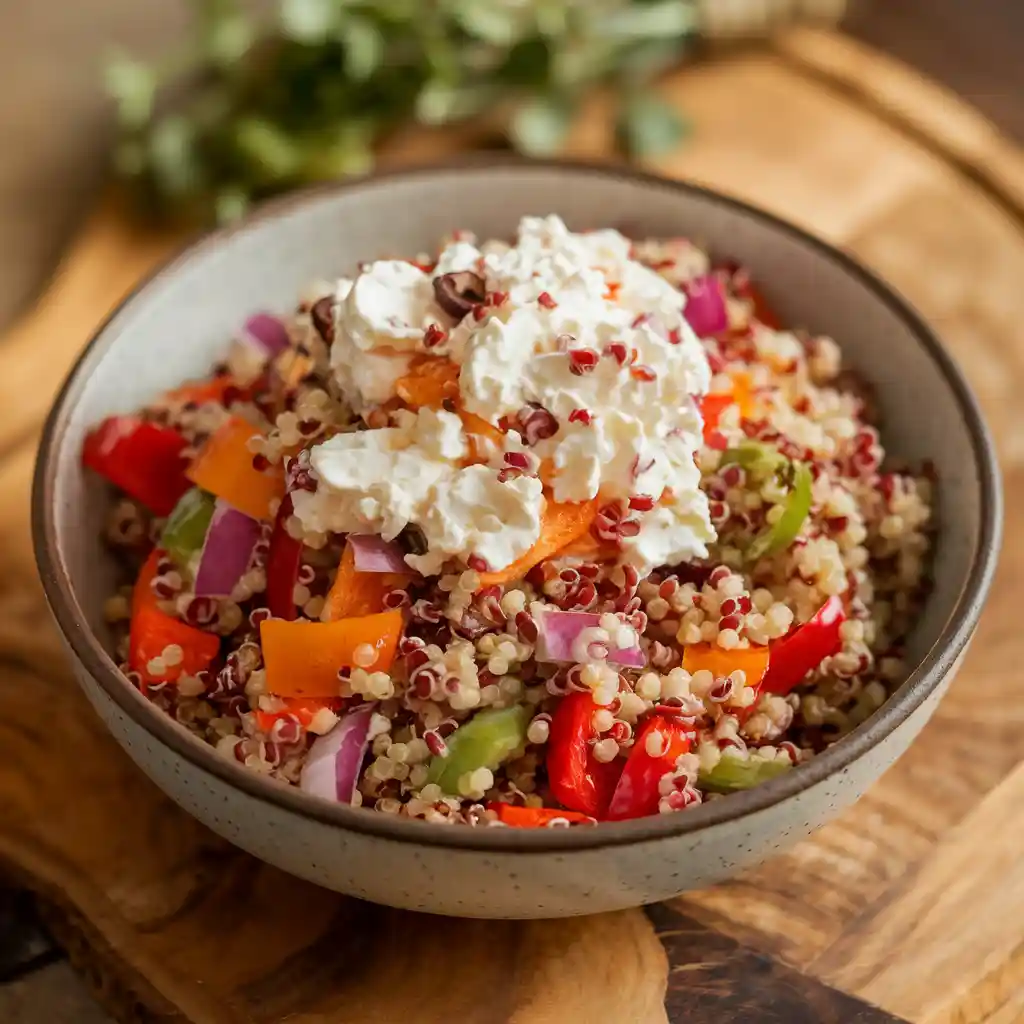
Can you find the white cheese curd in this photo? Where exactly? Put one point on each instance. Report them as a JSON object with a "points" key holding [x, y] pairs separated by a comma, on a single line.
{"points": [[390, 304], [380, 481], [476, 515], [578, 328]]}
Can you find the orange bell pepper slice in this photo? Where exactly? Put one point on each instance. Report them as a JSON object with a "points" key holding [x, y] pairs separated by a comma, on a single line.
{"points": [[713, 405], [224, 468], [201, 391], [302, 658], [753, 661], [152, 630], [536, 817], [589, 548], [561, 524], [356, 593], [430, 380]]}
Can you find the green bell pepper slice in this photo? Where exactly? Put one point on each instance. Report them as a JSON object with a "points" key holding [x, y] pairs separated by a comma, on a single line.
{"points": [[732, 774], [786, 528], [185, 531], [487, 740]]}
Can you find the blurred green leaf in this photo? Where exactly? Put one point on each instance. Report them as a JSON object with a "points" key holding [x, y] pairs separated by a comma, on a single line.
{"points": [[364, 47], [540, 126], [173, 157], [648, 126], [440, 102], [132, 86], [228, 39], [309, 21], [270, 153], [307, 95], [230, 205], [485, 21], [658, 20], [344, 151]]}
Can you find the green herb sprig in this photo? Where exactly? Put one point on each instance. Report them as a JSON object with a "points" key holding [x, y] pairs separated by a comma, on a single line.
{"points": [[252, 108]]}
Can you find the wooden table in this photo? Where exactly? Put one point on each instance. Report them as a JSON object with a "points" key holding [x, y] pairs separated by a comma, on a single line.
{"points": [[913, 900]]}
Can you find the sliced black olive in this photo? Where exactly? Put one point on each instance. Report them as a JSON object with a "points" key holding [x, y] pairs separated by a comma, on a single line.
{"points": [[322, 315], [458, 293], [412, 540]]}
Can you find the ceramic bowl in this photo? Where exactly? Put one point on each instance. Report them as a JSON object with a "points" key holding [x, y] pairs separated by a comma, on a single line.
{"points": [[172, 328]]}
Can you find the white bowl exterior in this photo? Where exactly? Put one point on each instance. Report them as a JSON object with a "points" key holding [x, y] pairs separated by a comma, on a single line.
{"points": [[181, 322], [473, 883]]}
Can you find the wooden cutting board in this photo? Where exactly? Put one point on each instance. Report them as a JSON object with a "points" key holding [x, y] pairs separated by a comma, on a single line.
{"points": [[912, 901]]}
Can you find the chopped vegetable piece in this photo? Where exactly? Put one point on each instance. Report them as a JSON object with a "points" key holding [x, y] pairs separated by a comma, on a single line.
{"points": [[283, 562], [360, 593], [200, 392], [538, 817], [142, 592], [735, 773], [805, 648], [487, 740], [711, 408], [589, 548], [374, 554], [559, 631], [561, 524], [481, 436], [227, 551], [576, 778], [265, 333], [761, 311], [303, 710], [430, 380], [752, 661], [756, 457], [660, 743], [303, 658], [705, 309], [781, 534], [713, 405], [186, 529], [144, 460], [153, 631], [224, 468], [332, 768]]}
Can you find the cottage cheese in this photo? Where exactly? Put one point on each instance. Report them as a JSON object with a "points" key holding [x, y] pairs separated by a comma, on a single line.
{"points": [[643, 371]]}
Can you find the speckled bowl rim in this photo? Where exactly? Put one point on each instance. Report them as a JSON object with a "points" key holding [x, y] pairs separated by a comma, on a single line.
{"points": [[934, 665]]}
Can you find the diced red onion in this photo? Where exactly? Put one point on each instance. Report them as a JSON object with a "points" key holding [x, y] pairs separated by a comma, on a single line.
{"points": [[227, 551], [557, 633], [332, 768], [705, 308], [374, 554], [267, 333]]}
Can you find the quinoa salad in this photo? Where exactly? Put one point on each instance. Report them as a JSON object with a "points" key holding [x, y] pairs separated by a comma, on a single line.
{"points": [[532, 532]]}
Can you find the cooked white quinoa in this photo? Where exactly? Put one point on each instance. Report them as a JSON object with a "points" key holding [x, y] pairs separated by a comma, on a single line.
{"points": [[468, 647]]}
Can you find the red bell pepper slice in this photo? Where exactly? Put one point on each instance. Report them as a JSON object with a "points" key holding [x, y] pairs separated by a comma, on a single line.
{"points": [[711, 408], [152, 630], [761, 310], [143, 459], [283, 562], [536, 817], [302, 709], [576, 778], [805, 648], [636, 794]]}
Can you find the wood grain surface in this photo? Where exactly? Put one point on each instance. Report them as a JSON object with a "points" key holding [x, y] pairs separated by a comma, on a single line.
{"points": [[914, 899]]}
